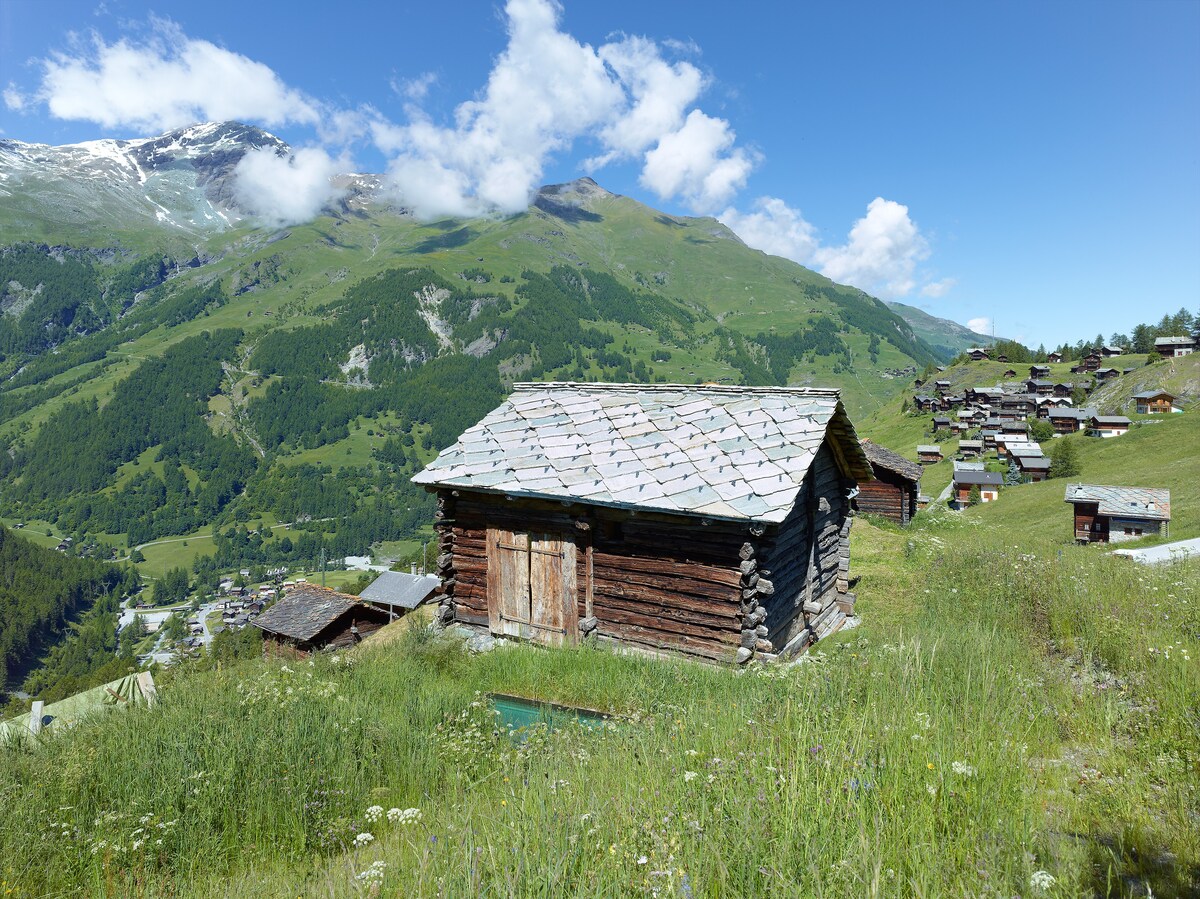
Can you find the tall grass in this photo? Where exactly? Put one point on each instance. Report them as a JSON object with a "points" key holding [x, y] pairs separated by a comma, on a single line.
{"points": [[1027, 728]]}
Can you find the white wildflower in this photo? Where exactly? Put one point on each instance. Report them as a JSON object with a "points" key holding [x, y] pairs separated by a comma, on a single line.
{"points": [[403, 816], [1041, 880], [689, 776], [374, 813], [962, 768], [642, 860], [931, 789], [363, 839]]}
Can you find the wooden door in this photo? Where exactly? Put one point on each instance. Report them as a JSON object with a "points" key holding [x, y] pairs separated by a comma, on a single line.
{"points": [[508, 582], [552, 589], [532, 586]]}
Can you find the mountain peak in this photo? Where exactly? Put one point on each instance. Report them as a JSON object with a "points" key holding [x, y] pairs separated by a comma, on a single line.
{"points": [[574, 193]]}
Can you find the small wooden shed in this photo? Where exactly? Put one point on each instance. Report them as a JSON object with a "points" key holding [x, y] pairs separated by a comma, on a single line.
{"points": [[929, 453], [311, 618], [708, 519], [893, 493]]}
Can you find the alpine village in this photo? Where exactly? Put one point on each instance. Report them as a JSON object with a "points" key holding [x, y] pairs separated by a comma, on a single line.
{"points": [[584, 550]]}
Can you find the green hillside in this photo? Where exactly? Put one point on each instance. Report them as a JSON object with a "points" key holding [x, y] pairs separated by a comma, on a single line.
{"points": [[948, 338], [308, 373]]}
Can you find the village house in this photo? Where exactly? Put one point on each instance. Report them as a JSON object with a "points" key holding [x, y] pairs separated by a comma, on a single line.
{"points": [[1002, 358], [1174, 346], [941, 386], [1010, 372], [399, 592], [1039, 371], [1067, 421], [988, 483], [929, 453], [1034, 467], [1107, 351], [894, 491], [941, 423], [312, 618], [1039, 386], [1108, 425], [1154, 402], [1112, 514], [1105, 374], [977, 354], [712, 520], [1091, 361], [1054, 358], [988, 436], [970, 448]]}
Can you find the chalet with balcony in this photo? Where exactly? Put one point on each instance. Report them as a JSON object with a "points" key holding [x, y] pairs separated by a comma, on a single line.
{"points": [[1174, 346], [1154, 402], [1108, 425], [988, 482]]}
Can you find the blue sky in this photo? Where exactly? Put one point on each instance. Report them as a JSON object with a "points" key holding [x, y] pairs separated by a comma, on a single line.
{"points": [[1035, 164]]}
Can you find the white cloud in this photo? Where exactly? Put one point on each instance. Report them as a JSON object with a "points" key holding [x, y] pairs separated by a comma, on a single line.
{"points": [[547, 90], [14, 99], [287, 190], [937, 289], [981, 325], [880, 255], [775, 228], [167, 81], [414, 89]]}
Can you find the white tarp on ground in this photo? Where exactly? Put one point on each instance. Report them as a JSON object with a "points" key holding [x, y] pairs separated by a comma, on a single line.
{"points": [[1166, 553]]}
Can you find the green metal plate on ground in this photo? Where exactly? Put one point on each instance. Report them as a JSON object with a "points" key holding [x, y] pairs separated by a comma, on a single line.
{"points": [[518, 714]]}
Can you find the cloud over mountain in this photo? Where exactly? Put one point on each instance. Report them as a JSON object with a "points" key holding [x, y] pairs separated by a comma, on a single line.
{"points": [[166, 81], [880, 255]]}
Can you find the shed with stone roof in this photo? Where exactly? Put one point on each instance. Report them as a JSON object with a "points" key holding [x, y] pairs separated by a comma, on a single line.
{"points": [[714, 520], [1106, 514], [311, 618], [893, 493]]}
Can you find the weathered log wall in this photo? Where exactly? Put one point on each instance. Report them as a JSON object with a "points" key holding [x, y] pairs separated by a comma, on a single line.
{"points": [[889, 495]]}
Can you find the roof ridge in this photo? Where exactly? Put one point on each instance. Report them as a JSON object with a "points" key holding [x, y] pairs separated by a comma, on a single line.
{"points": [[708, 388]]}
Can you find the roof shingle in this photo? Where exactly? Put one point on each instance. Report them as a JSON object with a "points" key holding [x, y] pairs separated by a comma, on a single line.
{"points": [[724, 452]]}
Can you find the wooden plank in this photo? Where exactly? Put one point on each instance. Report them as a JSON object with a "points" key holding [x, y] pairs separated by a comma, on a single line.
{"points": [[651, 597], [730, 576], [512, 554], [551, 586], [625, 603]]}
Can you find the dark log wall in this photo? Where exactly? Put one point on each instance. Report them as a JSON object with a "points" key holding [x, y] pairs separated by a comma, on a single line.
{"points": [[808, 558], [717, 589]]}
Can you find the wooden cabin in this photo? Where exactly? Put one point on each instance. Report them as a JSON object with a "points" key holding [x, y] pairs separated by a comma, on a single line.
{"points": [[711, 520], [1105, 374], [1107, 351], [1154, 402], [1039, 371], [970, 448], [978, 354], [988, 483], [1112, 514], [894, 491], [929, 453], [1091, 361], [311, 618], [1033, 467], [1168, 347], [1055, 358]]}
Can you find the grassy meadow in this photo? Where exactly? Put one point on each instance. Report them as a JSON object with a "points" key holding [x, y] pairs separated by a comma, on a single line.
{"points": [[1007, 720]]}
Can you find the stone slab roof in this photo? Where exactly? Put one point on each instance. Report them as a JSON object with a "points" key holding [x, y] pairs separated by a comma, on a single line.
{"points": [[1151, 394], [1125, 502], [738, 453], [305, 612], [398, 588], [928, 448], [882, 457]]}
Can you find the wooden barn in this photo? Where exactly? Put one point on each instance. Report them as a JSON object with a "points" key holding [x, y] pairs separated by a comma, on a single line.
{"points": [[711, 520], [1112, 514], [929, 453], [311, 618], [893, 494]]}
